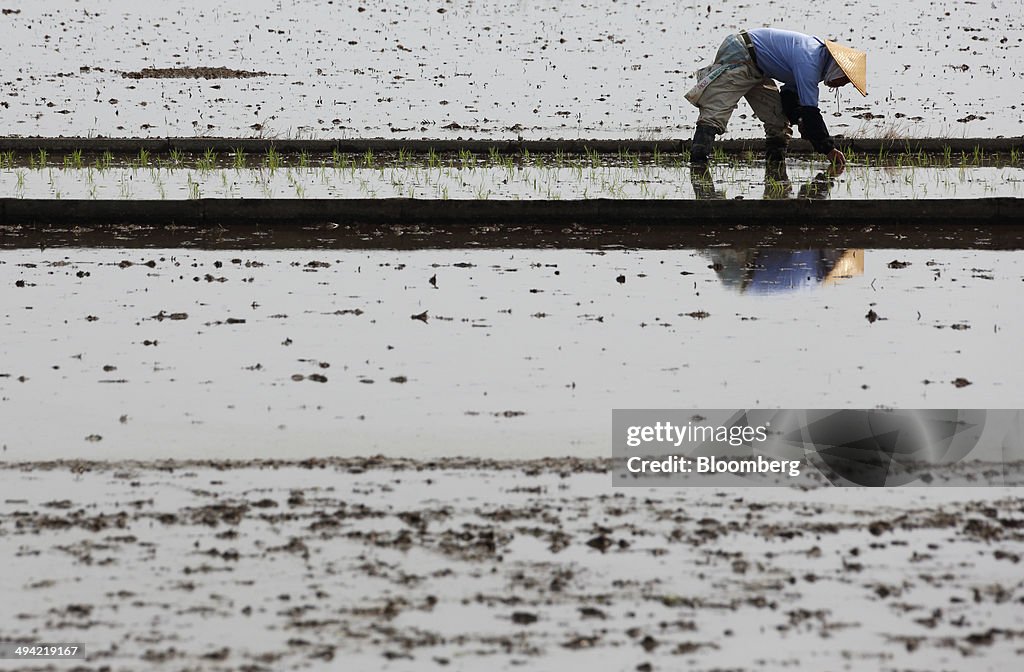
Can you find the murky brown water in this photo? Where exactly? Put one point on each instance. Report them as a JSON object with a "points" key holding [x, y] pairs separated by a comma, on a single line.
{"points": [[117, 353]]}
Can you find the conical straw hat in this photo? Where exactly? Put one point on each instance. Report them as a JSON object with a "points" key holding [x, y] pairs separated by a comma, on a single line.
{"points": [[852, 62]]}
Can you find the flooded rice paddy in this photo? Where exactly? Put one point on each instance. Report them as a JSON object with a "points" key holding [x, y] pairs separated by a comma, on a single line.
{"points": [[497, 68], [145, 353], [481, 364]]}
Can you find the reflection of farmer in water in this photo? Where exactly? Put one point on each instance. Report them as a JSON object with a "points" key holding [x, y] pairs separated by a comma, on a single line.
{"points": [[776, 183], [747, 65], [771, 271]]}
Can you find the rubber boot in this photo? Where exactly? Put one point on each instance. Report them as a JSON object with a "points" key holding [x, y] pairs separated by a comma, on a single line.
{"points": [[700, 148], [775, 150]]}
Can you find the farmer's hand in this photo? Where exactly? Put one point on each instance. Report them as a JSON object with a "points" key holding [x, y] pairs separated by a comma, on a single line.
{"points": [[838, 159], [835, 169]]}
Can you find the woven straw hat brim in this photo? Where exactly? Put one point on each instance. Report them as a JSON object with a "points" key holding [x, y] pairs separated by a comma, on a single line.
{"points": [[852, 62]]}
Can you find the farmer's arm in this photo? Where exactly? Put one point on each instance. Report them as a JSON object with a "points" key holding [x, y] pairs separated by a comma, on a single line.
{"points": [[800, 105]]}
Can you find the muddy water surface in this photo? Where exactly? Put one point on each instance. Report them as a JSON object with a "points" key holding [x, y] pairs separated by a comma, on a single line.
{"points": [[523, 566], [496, 68], [119, 353]]}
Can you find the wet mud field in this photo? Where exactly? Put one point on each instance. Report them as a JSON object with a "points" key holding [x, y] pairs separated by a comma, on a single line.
{"points": [[496, 69], [152, 353], [405, 565]]}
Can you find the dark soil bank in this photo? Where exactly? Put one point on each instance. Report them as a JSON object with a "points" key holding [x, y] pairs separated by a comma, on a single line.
{"points": [[194, 73]]}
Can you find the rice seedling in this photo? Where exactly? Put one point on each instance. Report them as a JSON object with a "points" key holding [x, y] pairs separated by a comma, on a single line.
{"points": [[368, 159], [272, 160], [73, 160], [208, 161], [239, 159], [177, 158]]}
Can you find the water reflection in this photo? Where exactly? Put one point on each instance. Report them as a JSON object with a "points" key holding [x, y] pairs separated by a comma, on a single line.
{"points": [[774, 271], [777, 185]]}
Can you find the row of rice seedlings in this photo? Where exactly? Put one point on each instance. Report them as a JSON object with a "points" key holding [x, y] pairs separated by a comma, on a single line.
{"points": [[977, 157], [550, 183], [466, 159], [405, 183]]}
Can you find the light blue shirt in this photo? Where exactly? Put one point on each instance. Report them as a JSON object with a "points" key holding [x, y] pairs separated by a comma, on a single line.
{"points": [[798, 61]]}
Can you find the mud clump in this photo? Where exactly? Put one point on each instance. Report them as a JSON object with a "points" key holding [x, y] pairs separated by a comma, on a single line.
{"points": [[523, 618], [193, 73]]}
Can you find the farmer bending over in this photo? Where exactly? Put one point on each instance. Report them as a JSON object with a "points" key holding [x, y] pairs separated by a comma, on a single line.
{"points": [[745, 67]]}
